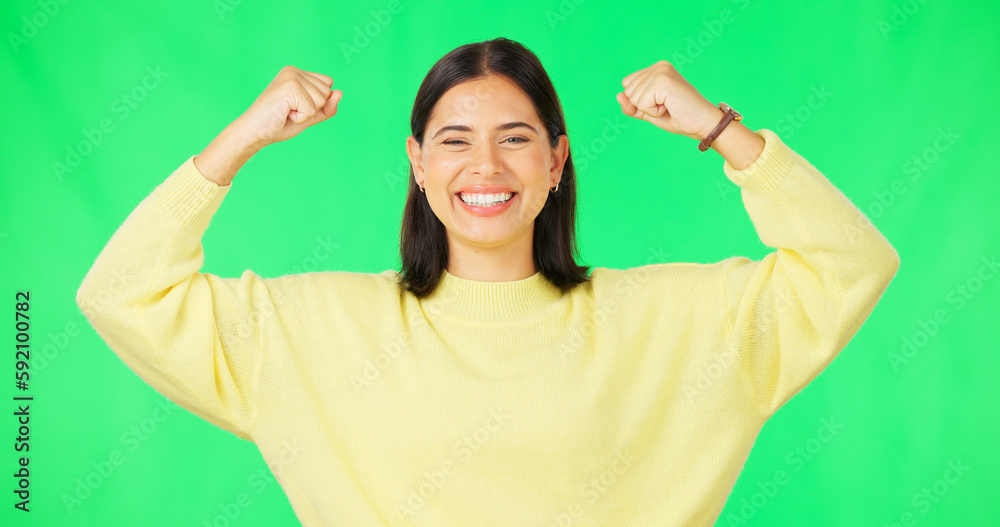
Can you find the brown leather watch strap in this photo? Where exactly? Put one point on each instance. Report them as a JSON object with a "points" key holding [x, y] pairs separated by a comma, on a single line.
{"points": [[729, 116]]}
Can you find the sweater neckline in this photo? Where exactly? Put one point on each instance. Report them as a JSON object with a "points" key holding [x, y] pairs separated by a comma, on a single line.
{"points": [[492, 302]]}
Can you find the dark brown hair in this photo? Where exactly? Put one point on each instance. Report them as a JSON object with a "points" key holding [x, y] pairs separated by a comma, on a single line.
{"points": [[423, 242]]}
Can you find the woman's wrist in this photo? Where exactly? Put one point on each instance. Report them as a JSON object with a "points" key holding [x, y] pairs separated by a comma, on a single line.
{"points": [[739, 145], [226, 154]]}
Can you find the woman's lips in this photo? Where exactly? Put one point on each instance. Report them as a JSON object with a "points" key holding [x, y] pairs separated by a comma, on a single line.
{"points": [[492, 210]]}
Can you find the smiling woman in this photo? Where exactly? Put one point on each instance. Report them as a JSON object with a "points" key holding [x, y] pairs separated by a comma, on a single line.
{"points": [[491, 381], [490, 173]]}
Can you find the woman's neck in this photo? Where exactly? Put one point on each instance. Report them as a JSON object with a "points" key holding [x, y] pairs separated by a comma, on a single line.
{"points": [[504, 263]]}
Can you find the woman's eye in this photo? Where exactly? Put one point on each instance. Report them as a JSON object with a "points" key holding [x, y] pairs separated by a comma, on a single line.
{"points": [[519, 140]]}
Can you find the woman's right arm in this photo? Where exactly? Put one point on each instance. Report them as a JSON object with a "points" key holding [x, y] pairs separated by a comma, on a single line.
{"points": [[194, 336]]}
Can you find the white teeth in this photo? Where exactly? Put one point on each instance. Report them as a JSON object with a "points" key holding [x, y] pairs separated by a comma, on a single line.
{"points": [[486, 200]]}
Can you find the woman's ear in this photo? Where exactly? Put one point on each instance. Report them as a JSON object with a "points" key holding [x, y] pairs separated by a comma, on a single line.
{"points": [[559, 155], [416, 157]]}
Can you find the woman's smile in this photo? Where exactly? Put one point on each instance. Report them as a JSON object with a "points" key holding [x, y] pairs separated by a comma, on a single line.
{"points": [[486, 204]]}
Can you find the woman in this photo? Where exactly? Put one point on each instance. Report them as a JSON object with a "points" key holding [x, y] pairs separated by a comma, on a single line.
{"points": [[491, 381]]}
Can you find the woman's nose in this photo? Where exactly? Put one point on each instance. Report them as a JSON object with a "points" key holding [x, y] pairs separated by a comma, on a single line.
{"points": [[484, 159]]}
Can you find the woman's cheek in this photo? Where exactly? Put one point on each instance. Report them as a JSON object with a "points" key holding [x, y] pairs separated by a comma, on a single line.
{"points": [[451, 163]]}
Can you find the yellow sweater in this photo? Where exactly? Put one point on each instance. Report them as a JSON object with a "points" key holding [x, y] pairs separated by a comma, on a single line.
{"points": [[632, 400]]}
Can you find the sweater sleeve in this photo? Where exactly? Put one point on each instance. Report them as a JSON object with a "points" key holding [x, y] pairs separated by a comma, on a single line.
{"points": [[192, 336], [789, 314]]}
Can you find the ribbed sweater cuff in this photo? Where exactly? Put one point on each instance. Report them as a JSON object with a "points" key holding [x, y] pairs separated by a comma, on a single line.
{"points": [[190, 197], [765, 174]]}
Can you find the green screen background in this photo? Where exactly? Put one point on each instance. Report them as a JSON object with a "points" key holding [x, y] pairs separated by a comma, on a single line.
{"points": [[893, 101]]}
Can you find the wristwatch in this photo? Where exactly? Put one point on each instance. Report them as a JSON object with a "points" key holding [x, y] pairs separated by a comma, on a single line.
{"points": [[730, 115]]}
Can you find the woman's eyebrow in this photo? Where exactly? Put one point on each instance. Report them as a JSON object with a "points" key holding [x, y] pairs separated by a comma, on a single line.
{"points": [[464, 128]]}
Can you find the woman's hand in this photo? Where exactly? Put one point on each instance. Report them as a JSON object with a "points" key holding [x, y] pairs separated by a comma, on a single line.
{"points": [[292, 102], [660, 95]]}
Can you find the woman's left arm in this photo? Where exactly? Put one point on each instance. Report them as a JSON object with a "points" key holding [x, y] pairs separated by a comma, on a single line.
{"points": [[789, 314]]}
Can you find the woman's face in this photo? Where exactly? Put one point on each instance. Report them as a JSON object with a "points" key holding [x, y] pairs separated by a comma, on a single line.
{"points": [[485, 142]]}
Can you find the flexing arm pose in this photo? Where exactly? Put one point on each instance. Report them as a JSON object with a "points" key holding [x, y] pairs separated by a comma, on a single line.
{"points": [[789, 314], [192, 335]]}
